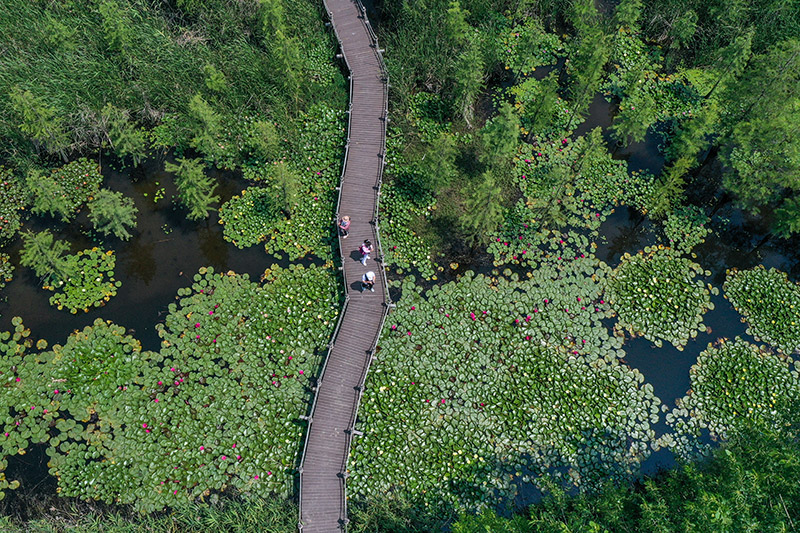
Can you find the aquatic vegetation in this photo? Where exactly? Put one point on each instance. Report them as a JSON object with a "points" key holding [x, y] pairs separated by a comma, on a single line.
{"points": [[405, 201], [6, 270], [216, 408], [527, 46], [686, 227], [314, 157], [769, 303], [90, 282], [656, 294], [21, 425], [731, 383], [249, 217], [66, 189], [488, 382], [13, 201]]}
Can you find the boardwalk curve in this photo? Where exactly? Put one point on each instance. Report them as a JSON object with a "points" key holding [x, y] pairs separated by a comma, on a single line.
{"points": [[331, 423]]}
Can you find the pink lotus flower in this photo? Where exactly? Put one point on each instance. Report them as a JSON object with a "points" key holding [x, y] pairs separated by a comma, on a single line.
{"points": [[55, 391], [301, 371], [144, 425], [413, 308], [255, 477], [197, 325], [472, 316], [156, 400]]}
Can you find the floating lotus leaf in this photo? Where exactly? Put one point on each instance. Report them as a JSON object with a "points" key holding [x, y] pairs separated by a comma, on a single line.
{"points": [[656, 294], [770, 304]]}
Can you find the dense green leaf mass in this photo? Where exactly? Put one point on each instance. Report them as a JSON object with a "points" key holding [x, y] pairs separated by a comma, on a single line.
{"points": [[770, 304], [90, 282], [488, 382], [734, 383], [656, 294], [215, 408]]}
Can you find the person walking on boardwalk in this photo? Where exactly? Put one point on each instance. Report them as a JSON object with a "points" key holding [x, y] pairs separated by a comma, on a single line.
{"points": [[365, 250], [344, 226], [368, 281]]}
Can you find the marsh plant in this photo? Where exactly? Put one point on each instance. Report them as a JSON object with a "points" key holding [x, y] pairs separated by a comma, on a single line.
{"points": [[657, 294], [769, 303]]}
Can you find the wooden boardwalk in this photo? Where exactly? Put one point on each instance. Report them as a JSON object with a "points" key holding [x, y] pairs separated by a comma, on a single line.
{"points": [[323, 467]]}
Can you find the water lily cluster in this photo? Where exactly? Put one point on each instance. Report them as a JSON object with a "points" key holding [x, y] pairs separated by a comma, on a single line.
{"points": [[526, 46], [6, 270], [657, 294], [770, 304], [487, 382], [733, 382], [314, 158], [686, 227], [90, 283], [76, 182], [13, 201], [215, 408]]}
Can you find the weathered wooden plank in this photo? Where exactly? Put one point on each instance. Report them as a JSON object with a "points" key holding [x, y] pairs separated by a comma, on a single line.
{"points": [[322, 491]]}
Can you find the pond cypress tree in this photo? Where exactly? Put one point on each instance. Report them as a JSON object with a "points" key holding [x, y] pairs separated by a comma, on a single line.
{"points": [[48, 196], [45, 256], [195, 189], [112, 213], [40, 122]]}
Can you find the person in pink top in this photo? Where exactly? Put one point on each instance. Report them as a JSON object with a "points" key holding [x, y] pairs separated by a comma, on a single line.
{"points": [[365, 250]]}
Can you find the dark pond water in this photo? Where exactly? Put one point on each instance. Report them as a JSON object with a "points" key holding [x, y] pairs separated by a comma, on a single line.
{"points": [[164, 254]]}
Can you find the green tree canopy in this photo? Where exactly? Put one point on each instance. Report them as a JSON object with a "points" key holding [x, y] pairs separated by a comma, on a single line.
{"points": [[112, 213], [195, 189]]}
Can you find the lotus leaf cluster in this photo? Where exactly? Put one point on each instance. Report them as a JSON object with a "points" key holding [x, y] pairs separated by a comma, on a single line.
{"points": [[314, 158], [405, 202], [249, 217], [6, 270], [656, 294], [214, 409], [770, 304], [686, 227], [486, 382], [733, 383], [21, 425], [13, 200], [77, 181], [90, 283], [526, 46]]}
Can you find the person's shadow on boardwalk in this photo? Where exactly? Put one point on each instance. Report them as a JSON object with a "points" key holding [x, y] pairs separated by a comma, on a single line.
{"points": [[355, 255]]}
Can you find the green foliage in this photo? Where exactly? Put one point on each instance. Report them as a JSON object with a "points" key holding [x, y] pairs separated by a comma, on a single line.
{"points": [[249, 218], [125, 137], [500, 136], [40, 122], [489, 382], [656, 295], [484, 209], [686, 227], [112, 213], [6, 270], [761, 113], [313, 161], [770, 304], [14, 198], [195, 188], [89, 282], [63, 191], [146, 60], [45, 256], [288, 185], [119, 421], [215, 79], [406, 202], [734, 385]]}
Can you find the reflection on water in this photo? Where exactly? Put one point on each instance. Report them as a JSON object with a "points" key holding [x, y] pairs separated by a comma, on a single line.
{"points": [[162, 257]]}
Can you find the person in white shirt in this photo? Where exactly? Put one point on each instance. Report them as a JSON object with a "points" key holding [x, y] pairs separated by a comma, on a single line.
{"points": [[368, 281]]}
